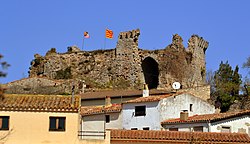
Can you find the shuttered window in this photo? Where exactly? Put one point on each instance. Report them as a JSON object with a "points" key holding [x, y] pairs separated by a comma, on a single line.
{"points": [[4, 122], [57, 123]]}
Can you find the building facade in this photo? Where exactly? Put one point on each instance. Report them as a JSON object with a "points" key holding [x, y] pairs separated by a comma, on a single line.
{"points": [[29, 119], [231, 122], [147, 113]]}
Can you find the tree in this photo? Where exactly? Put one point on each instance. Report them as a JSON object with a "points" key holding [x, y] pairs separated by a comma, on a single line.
{"points": [[210, 81], [3, 65], [227, 85], [247, 81], [247, 63]]}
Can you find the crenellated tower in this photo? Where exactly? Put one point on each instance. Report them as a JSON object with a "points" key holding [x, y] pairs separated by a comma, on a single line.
{"points": [[197, 46], [127, 56]]}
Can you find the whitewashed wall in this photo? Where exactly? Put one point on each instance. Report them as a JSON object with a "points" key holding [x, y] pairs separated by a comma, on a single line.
{"points": [[97, 122], [151, 119], [235, 124], [186, 127], [172, 106], [241, 122]]}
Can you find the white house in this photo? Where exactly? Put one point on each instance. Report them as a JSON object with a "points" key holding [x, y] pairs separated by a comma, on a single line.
{"points": [[96, 119], [220, 122], [147, 113]]}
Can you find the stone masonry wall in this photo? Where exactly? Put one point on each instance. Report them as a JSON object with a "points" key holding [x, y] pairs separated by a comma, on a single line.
{"points": [[201, 91]]}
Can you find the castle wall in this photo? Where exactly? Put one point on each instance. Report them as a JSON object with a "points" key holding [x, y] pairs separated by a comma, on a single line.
{"points": [[121, 68]]}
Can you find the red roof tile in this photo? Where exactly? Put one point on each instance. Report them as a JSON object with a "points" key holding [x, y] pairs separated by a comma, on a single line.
{"points": [[24, 102], [92, 110], [151, 98], [207, 117], [177, 137]]}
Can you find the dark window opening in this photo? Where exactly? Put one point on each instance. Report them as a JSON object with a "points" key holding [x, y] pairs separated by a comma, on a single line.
{"points": [[173, 129], [4, 122], [226, 129], [151, 72], [140, 110], [198, 129], [145, 128], [107, 118], [134, 128], [57, 123], [191, 107]]}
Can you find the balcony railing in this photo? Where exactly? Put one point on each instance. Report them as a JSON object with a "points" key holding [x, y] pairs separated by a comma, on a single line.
{"points": [[92, 134]]}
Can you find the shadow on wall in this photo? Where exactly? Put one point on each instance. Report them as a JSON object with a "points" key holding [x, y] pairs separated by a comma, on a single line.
{"points": [[151, 72]]}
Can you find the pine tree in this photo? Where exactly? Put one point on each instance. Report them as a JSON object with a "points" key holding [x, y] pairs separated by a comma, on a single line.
{"points": [[227, 84]]}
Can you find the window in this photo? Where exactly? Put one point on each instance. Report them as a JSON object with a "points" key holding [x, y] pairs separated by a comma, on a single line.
{"points": [[198, 129], [173, 129], [191, 107], [226, 129], [134, 128], [57, 123], [145, 128], [140, 110], [4, 122], [107, 117]]}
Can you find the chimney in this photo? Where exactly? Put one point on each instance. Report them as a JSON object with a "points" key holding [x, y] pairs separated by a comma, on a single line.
{"points": [[107, 101], [184, 115], [145, 91]]}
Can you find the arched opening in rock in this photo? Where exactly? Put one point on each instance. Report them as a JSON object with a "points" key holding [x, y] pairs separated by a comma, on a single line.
{"points": [[151, 72]]}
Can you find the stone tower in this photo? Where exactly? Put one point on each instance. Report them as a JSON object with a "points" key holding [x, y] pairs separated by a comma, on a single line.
{"points": [[198, 46], [128, 62]]}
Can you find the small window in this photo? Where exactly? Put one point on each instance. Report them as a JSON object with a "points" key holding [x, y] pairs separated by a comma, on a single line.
{"points": [[191, 107], [57, 123], [134, 128], [198, 129], [4, 122], [145, 128], [140, 110], [226, 129], [107, 117], [173, 129]]}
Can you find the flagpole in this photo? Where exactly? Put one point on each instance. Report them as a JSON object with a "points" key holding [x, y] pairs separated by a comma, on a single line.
{"points": [[105, 39], [82, 43], [104, 43]]}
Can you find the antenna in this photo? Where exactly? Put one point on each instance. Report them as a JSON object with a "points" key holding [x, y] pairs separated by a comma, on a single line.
{"points": [[176, 86]]}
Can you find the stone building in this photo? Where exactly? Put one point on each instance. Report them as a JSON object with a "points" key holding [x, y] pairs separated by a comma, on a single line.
{"points": [[127, 66]]}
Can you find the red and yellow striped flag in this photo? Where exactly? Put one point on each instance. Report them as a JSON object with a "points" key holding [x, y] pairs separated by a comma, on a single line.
{"points": [[109, 34]]}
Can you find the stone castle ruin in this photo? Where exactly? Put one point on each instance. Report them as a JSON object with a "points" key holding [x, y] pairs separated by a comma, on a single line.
{"points": [[127, 66]]}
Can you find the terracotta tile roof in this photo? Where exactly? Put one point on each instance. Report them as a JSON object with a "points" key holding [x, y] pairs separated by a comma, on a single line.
{"points": [[24, 102], [119, 93], [152, 98], [177, 137], [207, 117], [92, 110]]}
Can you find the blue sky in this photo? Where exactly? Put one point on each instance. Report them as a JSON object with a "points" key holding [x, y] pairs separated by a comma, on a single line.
{"points": [[29, 27]]}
